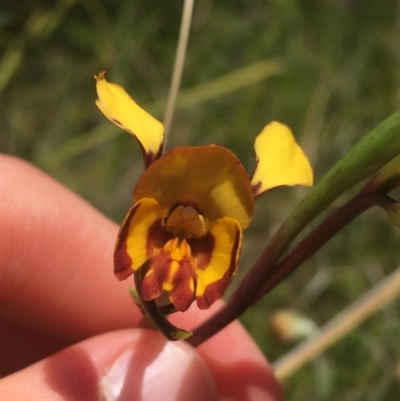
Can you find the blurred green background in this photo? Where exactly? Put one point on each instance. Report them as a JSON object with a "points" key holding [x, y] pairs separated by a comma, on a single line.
{"points": [[327, 68]]}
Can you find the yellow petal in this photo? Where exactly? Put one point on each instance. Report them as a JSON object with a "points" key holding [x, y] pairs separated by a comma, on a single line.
{"points": [[123, 111], [140, 234], [211, 178], [280, 160], [214, 276]]}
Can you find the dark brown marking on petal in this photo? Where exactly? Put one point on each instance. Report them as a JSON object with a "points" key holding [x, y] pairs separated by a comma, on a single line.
{"points": [[256, 189], [202, 249], [122, 260], [257, 192], [151, 157], [100, 75], [161, 271], [217, 289], [115, 121], [157, 236], [151, 287], [255, 168], [182, 294]]}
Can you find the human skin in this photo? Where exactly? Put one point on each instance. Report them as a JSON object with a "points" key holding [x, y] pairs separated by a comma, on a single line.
{"points": [[58, 292]]}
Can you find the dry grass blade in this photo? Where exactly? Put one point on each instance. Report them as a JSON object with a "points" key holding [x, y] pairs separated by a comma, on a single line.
{"points": [[382, 293], [212, 89], [179, 62]]}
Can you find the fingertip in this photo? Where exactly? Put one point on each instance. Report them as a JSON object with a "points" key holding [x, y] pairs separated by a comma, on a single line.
{"points": [[56, 258], [158, 369], [239, 368], [127, 365]]}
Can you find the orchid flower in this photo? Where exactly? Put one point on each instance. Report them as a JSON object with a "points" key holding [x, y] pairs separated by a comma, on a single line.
{"points": [[183, 234]]}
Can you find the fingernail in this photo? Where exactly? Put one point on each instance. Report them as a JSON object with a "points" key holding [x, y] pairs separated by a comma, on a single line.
{"points": [[158, 370]]}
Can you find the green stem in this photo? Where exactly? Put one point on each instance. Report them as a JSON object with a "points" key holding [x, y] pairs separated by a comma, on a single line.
{"points": [[242, 298], [308, 246], [160, 322], [367, 157], [317, 238]]}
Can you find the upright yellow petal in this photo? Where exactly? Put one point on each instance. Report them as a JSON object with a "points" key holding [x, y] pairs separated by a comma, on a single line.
{"points": [[123, 111], [280, 160]]}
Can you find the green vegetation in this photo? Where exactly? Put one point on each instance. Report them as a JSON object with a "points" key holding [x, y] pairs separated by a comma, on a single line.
{"points": [[327, 68]]}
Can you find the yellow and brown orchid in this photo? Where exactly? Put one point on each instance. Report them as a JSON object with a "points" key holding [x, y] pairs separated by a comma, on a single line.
{"points": [[183, 234]]}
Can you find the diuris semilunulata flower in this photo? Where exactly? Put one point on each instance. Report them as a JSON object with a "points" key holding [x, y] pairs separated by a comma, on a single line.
{"points": [[183, 234]]}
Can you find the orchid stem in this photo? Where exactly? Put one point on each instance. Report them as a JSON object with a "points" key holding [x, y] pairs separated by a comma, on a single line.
{"points": [[178, 66], [381, 145], [154, 315], [315, 240], [240, 300]]}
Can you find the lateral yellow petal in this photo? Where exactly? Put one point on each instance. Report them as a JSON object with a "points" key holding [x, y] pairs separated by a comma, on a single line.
{"points": [[211, 178], [123, 111], [280, 160], [214, 278], [135, 241]]}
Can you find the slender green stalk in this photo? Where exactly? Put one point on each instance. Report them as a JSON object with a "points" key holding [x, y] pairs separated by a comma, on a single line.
{"points": [[315, 240], [178, 66], [160, 322], [307, 247], [367, 157]]}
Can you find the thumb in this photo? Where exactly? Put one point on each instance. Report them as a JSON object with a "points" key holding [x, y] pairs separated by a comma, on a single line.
{"points": [[126, 365]]}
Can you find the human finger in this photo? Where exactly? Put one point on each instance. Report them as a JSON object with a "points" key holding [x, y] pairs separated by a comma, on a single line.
{"points": [[92, 301], [125, 365], [56, 258]]}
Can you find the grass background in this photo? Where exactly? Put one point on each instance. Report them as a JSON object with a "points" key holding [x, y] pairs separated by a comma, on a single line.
{"points": [[330, 70]]}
